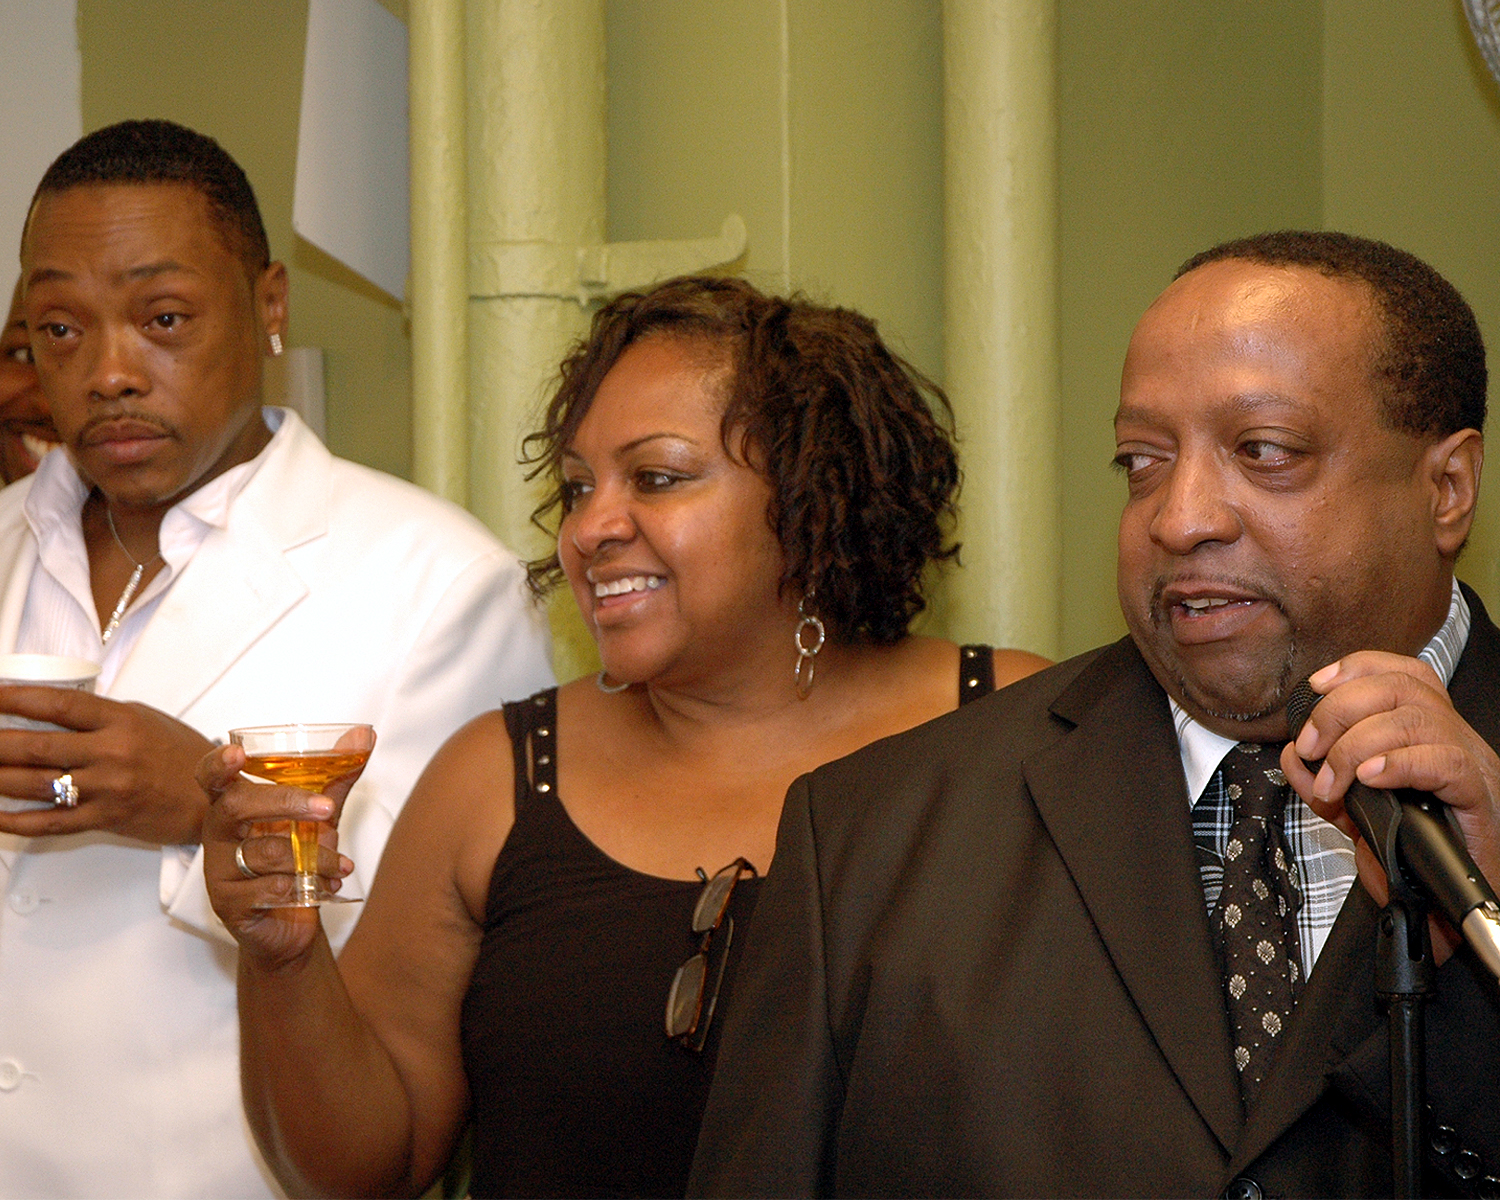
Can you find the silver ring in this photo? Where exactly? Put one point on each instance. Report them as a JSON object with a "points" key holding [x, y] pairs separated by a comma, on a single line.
{"points": [[239, 861], [64, 791]]}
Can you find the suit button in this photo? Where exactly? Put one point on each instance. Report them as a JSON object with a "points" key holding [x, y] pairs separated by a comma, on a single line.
{"points": [[1444, 1140], [1468, 1165], [23, 903], [10, 1075], [1243, 1189]]}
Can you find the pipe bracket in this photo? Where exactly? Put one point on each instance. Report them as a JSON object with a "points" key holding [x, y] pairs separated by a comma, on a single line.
{"points": [[499, 270]]}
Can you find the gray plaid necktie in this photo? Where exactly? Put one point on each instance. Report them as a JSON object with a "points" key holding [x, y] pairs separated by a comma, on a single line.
{"points": [[1256, 920]]}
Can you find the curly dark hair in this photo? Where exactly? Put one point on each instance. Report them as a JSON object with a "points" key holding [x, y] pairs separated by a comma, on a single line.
{"points": [[165, 152], [855, 443], [1432, 362]]}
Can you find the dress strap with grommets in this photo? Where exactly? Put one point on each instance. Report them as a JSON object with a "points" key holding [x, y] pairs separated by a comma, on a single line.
{"points": [[532, 724], [976, 672]]}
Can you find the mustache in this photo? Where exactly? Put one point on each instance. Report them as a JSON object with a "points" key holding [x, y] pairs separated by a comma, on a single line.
{"points": [[135, 416], [1235, 583]]}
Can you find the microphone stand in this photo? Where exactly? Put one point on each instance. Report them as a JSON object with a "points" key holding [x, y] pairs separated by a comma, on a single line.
{"points": [[1404, 978], [1404, 971]]}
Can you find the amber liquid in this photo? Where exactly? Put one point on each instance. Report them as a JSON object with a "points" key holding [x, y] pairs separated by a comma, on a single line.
{"points": [[312, 771]]}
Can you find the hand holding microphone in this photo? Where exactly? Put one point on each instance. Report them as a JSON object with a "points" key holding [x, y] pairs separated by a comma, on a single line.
{"points": [[1388, 711]]}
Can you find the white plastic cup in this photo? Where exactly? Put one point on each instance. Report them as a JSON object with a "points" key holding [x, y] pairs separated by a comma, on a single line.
{"points": [[41, 670], [44, 670]]}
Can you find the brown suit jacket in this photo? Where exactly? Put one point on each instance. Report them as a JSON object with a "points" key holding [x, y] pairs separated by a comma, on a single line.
{"points": [[981, 965]]}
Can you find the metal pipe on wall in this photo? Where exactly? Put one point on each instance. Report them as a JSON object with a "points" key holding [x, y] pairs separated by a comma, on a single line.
{"points": [[516, 280], [439, 249], [536, 122], [999, 338]]}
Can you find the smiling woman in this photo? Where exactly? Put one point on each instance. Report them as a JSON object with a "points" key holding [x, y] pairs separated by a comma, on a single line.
{"points": [[750, 491], [650, 491]]}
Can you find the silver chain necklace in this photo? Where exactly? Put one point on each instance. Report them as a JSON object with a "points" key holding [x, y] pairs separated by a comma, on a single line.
{"points": [[135, 578]]}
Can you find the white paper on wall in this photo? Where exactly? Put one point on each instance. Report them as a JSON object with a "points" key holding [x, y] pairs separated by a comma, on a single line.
{"points": [[40, 95], [351, 192]]}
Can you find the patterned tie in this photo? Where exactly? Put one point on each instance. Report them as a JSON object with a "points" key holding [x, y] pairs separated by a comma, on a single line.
{"points": [[1256, 921]]}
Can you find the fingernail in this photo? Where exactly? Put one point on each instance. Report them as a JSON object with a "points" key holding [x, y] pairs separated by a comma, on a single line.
{"points": [[1323, 784], [346, 865], [320, 807], [1306, 740], [1324, 675], [1370, 768]]}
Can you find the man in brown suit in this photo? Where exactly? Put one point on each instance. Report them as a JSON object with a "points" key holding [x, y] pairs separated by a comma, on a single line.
{"points": [[989, 956]]}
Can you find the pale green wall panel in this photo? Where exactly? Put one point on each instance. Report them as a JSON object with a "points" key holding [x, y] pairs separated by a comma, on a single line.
{"points": [[819, 122], [1180, 124], [1412, 156], [695, 123], [234, 71], [867, 164]]}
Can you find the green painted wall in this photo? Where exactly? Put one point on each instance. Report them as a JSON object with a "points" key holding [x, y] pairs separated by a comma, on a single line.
{"points": [[824, 133], [233, 70], [1179, 125], [1182, 124], [695, 124], [1411, 122], [819, 121]]}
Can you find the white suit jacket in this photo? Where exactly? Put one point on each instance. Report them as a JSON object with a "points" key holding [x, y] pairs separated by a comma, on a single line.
{"points": [[335, 593]]}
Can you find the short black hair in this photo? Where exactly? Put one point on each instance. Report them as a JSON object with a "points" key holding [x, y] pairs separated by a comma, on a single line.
{"points": [[165, 152], [855, 443], [1433, 359]]}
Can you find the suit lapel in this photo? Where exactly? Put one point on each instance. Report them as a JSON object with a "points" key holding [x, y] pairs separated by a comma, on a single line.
{"points": [[1112, 796], [1473, 686], [239, 583], [245, 588], [18, 558]]}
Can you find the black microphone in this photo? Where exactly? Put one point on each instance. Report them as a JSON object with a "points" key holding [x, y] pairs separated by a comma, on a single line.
{"points": [[1411, 834]]}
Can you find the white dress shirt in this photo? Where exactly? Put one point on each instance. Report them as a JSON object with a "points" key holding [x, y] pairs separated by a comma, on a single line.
{"points": [[59, 617]]}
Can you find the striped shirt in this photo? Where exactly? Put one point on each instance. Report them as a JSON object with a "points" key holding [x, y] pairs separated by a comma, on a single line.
{"points": [[1324, 856]]}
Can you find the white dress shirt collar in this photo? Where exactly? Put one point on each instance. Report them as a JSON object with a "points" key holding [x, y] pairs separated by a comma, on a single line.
{"points": [[60, 616]]}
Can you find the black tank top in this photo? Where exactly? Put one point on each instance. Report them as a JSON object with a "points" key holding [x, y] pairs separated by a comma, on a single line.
{"points": [[576, 1089]]}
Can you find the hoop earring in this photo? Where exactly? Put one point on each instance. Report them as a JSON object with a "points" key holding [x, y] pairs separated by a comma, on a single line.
{"points": [[807, 646], [609, 689]]}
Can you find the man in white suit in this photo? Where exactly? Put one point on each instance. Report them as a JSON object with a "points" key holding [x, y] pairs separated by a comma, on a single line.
{"points": [[225, 570]]}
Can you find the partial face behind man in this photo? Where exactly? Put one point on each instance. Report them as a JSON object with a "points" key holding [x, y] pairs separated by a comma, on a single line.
{"points": [[26, 433], [148, 330], [1274, 520]]}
